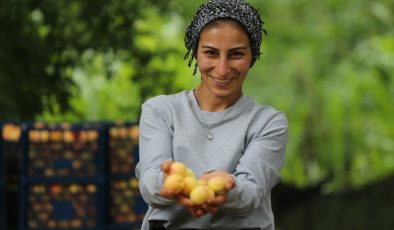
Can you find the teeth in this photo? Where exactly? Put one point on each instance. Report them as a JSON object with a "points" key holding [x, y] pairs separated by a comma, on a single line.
{"points": [[221, 81]]}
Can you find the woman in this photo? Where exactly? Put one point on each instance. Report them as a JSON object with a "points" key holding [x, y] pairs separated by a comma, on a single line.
{"points": [[214, 129]]}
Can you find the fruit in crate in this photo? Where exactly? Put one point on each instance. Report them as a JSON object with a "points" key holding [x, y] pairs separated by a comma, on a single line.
{"points": [[93, 135], [134, 132], [114, 133], [122, 132], [44, 135], [55, 135], [11, 132], [56, 188], [91, 188], [133, 183], [73, 189], [68, 136], [34, 136]]}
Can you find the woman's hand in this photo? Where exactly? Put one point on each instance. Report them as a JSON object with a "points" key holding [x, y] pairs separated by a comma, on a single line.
{"points": [[165, 167], [210, 206], [230, 182]]}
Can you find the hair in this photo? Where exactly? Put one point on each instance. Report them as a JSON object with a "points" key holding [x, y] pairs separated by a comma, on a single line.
{"points": [[238, 10]]}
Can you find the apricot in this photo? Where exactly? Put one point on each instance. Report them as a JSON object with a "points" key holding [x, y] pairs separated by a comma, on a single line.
{"points": [[189, 183], [174, 182], [178, 168], [217, 184], [199, 194], [211, 193], [190, 172]]}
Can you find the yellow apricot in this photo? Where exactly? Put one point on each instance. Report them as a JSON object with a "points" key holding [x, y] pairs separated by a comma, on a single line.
{"points": [[217, 184], [178, 168], [174, 182], [189, 183], [199, 195], [190, 172]]}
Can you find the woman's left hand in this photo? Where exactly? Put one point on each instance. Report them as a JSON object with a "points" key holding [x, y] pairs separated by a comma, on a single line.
{"points": [[212, 205]]}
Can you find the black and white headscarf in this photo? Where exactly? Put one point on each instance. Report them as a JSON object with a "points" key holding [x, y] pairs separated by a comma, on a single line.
{"points": [[239, 10]]}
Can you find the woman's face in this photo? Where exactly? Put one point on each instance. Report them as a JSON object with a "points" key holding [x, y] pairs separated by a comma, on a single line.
{"points": [[224, 57]]}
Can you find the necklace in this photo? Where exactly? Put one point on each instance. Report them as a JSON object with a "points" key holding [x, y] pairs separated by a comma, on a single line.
{"points": [[210, 135]]}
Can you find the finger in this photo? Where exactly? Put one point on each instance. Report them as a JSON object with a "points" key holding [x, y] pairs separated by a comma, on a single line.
{"points": [[165, 166], [182, 200], [209, 209], [217, 201], [167, 192], [200, 212], [230, 184]]}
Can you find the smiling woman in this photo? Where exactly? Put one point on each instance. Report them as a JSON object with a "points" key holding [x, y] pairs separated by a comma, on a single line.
{"points": [[224, 56], [215, 129]]}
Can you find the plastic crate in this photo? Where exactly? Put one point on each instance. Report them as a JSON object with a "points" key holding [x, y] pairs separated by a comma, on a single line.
{"points": [[126, 206], [63, 151], [10, 155], [122, 148], [63, 181], [63, 206]]}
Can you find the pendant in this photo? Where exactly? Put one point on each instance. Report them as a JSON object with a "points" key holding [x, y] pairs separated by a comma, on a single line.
{"points": [[210, 136]]}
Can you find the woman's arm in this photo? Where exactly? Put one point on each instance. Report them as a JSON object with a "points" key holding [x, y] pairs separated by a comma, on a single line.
{"points": [[155, 146], [258, 169]]}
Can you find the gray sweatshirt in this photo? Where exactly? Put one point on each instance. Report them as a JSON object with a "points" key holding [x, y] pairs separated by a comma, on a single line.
{"points": [[250, 143]]}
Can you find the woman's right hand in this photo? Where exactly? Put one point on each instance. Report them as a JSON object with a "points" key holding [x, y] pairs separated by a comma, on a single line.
{"points": [[165, 192]]}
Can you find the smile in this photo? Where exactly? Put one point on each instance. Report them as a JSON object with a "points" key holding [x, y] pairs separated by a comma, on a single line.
{"points": [[222, 81]]}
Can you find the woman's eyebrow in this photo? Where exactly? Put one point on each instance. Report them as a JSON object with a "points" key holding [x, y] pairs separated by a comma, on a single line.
{"points": [[232, 49], [238, 48], [209, 47]]}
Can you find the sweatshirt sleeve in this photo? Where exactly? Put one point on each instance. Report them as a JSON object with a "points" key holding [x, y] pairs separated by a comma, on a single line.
{"points": [[258, 169], [154, 148]]}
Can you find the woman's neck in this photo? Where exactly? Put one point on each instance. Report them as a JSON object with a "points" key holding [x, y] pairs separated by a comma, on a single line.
{"points": [[211, 103]]}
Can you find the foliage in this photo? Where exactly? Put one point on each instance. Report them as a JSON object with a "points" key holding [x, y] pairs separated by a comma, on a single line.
{"points": [[327, 64], [46, 39]]}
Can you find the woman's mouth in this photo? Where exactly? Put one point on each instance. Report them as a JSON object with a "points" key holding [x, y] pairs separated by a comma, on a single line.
{"points": [[221, 81]]}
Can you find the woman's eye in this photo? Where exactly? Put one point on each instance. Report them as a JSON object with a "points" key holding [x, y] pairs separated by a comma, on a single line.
{"points": [[210, 53], [236, 54]]}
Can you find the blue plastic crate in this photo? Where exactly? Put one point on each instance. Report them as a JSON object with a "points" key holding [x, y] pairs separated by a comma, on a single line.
{"points": [[56, 151], [122, 148], [65, 205], [11, 157], [126, 206], [63, 177]]}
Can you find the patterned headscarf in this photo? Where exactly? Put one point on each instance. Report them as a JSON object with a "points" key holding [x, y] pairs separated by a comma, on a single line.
{"points": [[239, 10]]}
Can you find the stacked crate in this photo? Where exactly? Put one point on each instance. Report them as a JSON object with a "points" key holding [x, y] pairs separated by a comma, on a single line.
{"points": [[63, 177], [126, 206], [10, 154]]}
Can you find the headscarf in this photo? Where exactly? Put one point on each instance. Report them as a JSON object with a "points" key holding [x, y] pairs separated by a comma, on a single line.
{"points": [[239, 10]]}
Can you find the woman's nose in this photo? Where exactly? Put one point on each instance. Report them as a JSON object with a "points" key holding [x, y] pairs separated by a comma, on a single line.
{"points": [[222, 67]]}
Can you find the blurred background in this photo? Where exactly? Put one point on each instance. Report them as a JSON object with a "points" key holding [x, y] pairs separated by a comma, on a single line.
{"points": [[73, 75]]}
